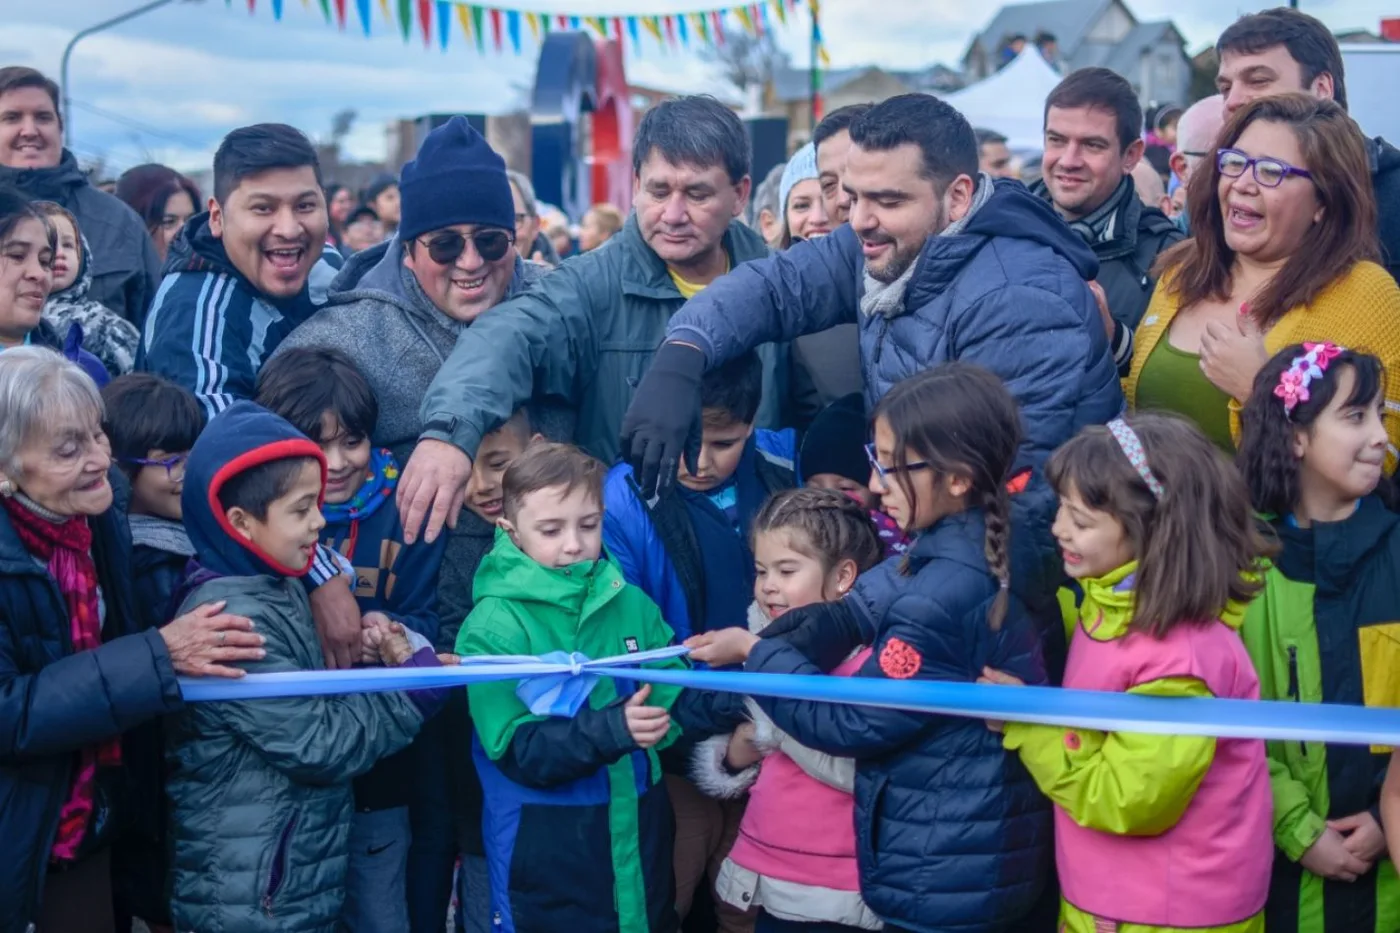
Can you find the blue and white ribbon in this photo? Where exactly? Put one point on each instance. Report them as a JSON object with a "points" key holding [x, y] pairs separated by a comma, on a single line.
{"points": [[1087, 709]]}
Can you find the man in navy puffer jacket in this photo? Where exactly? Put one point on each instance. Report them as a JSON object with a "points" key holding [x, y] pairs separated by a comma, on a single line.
{"points": [[938, 263]]}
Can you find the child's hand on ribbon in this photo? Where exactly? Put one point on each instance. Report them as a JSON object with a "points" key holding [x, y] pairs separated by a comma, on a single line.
{"points": [[990, 676], [722, 647], [647, 725]]}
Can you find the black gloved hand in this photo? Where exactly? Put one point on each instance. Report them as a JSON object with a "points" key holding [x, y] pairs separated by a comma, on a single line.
{"points": [[825, 633], [663, 422]]}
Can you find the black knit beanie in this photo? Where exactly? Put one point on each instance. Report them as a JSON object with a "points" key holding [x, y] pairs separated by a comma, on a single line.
{"points": [[457, 178]]}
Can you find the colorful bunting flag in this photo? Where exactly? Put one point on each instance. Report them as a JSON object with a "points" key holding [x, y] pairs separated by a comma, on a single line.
{"points": [[425, 21], [513, 29], [444, 20], [673, 29]]}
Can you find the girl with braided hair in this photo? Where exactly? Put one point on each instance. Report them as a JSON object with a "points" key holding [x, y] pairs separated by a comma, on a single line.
{"points": [[1156, 532], [795, 855], [950, 830]]}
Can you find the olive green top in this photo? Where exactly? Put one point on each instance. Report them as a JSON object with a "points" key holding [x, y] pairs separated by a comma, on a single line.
{"points": [[1171, 380]]}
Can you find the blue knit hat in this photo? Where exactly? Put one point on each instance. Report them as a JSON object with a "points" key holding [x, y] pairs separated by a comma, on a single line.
{"points": [[802, 166], [457, 178]]}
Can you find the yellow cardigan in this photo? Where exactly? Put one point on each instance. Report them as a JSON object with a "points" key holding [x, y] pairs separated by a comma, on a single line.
{"points": [[1360, 311]]}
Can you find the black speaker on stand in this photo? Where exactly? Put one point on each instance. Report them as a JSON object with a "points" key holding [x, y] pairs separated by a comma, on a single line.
{"points": [[768, 137]]}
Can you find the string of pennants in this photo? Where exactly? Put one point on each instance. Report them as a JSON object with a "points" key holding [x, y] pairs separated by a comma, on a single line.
{"points": [[499, 27]]}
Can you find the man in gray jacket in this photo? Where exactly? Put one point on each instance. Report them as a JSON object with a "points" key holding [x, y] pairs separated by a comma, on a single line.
{"points": [[124, 267], [588, 331]]}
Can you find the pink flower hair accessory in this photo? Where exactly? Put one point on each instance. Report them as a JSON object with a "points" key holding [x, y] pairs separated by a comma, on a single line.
{"points": [[1294, 381]]}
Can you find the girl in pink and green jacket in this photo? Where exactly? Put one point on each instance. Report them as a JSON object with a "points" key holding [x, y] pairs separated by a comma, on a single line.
{"points": [[1154, 833]]}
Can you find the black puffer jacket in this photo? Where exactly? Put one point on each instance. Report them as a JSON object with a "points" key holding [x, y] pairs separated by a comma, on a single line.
{"points": [[951, 832], [1385, 177], [54, 702]]}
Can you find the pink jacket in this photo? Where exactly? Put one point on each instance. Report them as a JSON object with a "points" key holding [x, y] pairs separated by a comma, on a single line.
{"points": [[1212, 868]]}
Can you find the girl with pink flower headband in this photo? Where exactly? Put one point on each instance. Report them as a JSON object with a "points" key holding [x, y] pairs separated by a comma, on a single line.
{"points": [[1313, 450]]}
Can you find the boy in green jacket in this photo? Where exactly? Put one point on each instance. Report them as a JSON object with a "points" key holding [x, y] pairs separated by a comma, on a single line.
{"points": [[577, 824]]}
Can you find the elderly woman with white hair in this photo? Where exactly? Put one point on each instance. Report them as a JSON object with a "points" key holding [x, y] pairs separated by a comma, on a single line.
{"points": [[75, 671]]}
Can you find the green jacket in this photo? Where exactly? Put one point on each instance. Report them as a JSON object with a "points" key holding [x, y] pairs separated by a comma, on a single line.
{"points": [[585, 333], [577, 825], [1326, 629], [260, 789]]}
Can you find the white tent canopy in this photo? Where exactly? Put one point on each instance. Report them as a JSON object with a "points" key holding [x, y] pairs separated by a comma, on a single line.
{"points": [[1012, 101]]}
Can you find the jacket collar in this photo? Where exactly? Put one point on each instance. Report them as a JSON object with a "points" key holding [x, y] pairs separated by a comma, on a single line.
{"points": [[1331, 554], [14, 557], [644, 274], [1128, 214], [50, 184], [959, 538]]}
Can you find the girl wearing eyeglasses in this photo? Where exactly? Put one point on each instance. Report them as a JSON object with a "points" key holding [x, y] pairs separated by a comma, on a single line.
{"points": [[1284, 251], [951, 832]]}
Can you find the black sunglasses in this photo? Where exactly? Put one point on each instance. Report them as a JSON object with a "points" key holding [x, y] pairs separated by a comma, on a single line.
{"points": [[492, 244]]}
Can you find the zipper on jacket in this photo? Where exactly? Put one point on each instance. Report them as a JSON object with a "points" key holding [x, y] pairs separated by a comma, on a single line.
{"points": [[1295, 692], [880, 340], [277, 873]]}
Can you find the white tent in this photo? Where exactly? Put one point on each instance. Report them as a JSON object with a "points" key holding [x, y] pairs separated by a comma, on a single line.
{"points": [[1012, 101], [1372, 73]]}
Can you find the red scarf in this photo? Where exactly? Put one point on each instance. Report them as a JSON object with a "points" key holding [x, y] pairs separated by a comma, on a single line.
{"points": [[67, 549]]}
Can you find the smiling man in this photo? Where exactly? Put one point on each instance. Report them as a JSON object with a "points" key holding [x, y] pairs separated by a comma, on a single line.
{"points": [[589, 329], [242, 275], [1093, 142], [125, 267]]}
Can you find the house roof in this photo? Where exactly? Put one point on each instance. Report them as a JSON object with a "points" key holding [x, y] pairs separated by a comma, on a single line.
{"points": [[1067, 20], [1121, 56], [791, 84]]}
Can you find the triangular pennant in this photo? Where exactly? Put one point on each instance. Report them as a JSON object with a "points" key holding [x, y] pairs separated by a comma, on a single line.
{"points": [[744, 19], [617, 29], [544, 23], [252, 6], [533, 21], [478, 29], [652, 26], [464, 19], [444, 21], [405, 18], [513, 29], [632, 26], [683, 29], [670, 23], [563, 21], [340, 14], [758, 15], [276, 9], [425, 20], [781, 10], [718, 27], [362, 11], [384, 8], [574, 23], [495, 29], [825, 58], [326, 9], [600, 25]]}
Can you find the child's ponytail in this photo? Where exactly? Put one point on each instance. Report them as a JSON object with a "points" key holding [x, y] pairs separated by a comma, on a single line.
{"points": [[996, 506], [961, 420]]}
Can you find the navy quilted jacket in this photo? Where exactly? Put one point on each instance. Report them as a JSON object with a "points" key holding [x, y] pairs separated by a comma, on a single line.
{"points": [[951, 832], [1008, 293]]}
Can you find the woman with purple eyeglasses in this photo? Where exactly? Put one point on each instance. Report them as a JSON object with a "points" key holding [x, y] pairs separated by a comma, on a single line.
{"points": [[83, 679], [1284, 251]]}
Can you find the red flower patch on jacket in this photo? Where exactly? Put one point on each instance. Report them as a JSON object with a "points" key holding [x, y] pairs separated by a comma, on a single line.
{"points": [[900, 660]]}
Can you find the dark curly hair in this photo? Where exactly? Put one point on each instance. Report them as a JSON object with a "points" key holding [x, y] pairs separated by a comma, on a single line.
{"points": [[829, 527], [1266, 457]]}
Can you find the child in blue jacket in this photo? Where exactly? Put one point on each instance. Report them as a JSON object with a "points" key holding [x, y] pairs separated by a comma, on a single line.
{"points": [[325, 397], [951, 832]]}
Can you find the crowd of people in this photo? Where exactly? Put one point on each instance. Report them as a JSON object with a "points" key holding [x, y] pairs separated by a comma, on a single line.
{"points": [[890, 414]]}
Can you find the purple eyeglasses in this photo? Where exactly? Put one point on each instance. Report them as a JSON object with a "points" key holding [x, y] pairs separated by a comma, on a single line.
{"points": [[170, 463], [1268, 172]]}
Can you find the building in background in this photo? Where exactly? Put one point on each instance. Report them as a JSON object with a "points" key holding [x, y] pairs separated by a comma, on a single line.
{"points": [[1086, 33]]}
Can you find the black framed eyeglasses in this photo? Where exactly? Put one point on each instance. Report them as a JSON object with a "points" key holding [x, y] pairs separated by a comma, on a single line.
{"points": [[170, 463], [885, 472], [1268, 172], [491, 244]]}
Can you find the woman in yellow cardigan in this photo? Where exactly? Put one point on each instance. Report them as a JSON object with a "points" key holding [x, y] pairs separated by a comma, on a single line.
{"points": [[1284, 252]]}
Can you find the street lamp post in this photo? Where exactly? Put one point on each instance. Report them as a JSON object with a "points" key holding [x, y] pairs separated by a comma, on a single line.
{"points": [[83, 34]]}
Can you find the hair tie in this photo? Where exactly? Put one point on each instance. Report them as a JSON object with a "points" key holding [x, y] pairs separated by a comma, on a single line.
{"points": [[1294, 381], [1131, 445]]}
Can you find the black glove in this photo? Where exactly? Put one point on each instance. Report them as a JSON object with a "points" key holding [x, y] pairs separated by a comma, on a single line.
{"points": [[824, 633], [663, 422]]}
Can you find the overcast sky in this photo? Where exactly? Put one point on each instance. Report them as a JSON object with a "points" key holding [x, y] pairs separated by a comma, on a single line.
{"points": [[168, 85]]}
